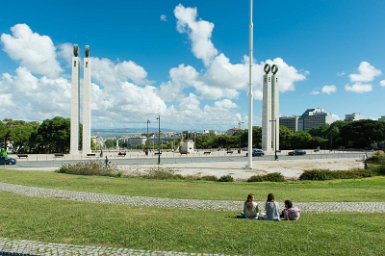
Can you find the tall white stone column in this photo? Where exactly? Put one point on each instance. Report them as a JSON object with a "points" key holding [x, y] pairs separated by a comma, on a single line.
{"points": [[267, 111], [86, 145], [74, 134], [275, 106]]}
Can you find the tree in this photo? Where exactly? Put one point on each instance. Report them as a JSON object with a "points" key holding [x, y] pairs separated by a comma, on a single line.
{"points": [[53, 136]]}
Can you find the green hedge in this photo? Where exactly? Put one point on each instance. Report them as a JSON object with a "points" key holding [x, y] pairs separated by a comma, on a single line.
{"points": [[331, 175], [90, 168], [273, 177]]}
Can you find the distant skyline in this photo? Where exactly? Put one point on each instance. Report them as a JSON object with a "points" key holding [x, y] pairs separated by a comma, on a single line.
{"points": [[187, 61]]}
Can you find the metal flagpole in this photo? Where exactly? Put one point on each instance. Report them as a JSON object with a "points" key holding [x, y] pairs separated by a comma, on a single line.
{"points": [[250, 137]]}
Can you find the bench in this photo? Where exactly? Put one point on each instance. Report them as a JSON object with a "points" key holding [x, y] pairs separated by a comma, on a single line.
{"points": [[22, 155], [91, 154], [229, 152], [207, 152], [122, 154], [59, 155]]}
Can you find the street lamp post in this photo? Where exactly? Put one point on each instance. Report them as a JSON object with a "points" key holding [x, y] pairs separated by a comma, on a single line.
{"points": [[250, 108], [158, 118], [148, 121]]}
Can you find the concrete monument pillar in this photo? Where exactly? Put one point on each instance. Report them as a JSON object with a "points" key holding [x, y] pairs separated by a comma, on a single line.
{"points": [[86, 145], [270, 110], [275, 105], [266, 111], [74, 134]]}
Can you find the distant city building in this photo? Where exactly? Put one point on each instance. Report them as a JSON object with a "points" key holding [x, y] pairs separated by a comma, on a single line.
{"points": [[210, 132], [353, 117], [314, 118], [291, 122], [136, 141], [382, 118], [232, 131]]}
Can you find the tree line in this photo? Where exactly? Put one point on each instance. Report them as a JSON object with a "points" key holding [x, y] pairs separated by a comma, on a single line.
{"points": [[362, 134], [53, 136]]}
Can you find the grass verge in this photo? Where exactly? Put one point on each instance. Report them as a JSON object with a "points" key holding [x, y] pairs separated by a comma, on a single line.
{"points": [[149, 228], [366, 190]]}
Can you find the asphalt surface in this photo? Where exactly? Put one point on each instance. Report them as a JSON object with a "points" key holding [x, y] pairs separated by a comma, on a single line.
{"points": [[173, 159]]}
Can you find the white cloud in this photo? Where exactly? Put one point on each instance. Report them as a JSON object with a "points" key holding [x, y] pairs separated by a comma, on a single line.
{"points": [[358, 88], [33, 98], [366, 73], [225, 103], [361, 82], [341, 73], [163, 17], [33, 51], [328, 89], [106, 72], [199, 31], [66, 52], [382, 83]]}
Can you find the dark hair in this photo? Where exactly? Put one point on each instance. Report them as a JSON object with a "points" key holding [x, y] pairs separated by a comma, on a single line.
{"points": [[249, 197], [289, 204], [270, 197]]}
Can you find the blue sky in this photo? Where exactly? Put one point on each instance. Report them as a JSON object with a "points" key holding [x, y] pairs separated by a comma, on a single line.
{"points": [[187, 60]]}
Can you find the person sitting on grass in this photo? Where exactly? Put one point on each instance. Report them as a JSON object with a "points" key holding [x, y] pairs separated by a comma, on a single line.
{"points": [[271, 208], [290, 212], [250, 208]]}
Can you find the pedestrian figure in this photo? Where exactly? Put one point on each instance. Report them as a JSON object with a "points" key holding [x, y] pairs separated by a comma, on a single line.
{"points": [[106, 162], [101, 153]]}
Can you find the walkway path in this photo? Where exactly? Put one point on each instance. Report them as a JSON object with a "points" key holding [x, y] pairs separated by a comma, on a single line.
{"points": [[26, 247]]}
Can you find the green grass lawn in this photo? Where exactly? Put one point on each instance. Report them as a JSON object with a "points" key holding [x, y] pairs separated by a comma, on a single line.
{"points": [[52, 220], [368, 189]]}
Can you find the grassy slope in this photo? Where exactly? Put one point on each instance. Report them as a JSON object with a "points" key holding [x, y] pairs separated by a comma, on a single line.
{"points": [[52, 220], [369, 189]]}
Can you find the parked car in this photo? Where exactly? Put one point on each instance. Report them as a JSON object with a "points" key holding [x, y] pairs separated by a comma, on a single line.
{"points": [[257, 152], [297, 152], [7, 160]]}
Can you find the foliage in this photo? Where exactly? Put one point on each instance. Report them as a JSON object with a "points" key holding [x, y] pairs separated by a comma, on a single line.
{"points": [[160, 173], [52, 136], [330, 175], [226, 178], [273, 177], [90, 168], [18, 132], [208, 178]]}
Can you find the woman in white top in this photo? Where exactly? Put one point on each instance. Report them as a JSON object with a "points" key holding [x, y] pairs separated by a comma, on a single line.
{"points": [[250, 208]]}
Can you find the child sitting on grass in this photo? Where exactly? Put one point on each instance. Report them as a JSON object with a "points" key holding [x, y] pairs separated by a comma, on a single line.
{"points": [[250, 208], [290, 212]]}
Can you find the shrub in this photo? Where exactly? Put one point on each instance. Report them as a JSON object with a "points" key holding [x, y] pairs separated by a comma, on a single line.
{"points": [[226, 178], [273, 177], [330, 175], [378, 157], [316, 175], [162, 174], [255, 178], [209, 178], [90, 168]]}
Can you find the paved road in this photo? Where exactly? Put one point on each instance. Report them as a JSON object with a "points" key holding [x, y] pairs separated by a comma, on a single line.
{"points": [[169, 158]]}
